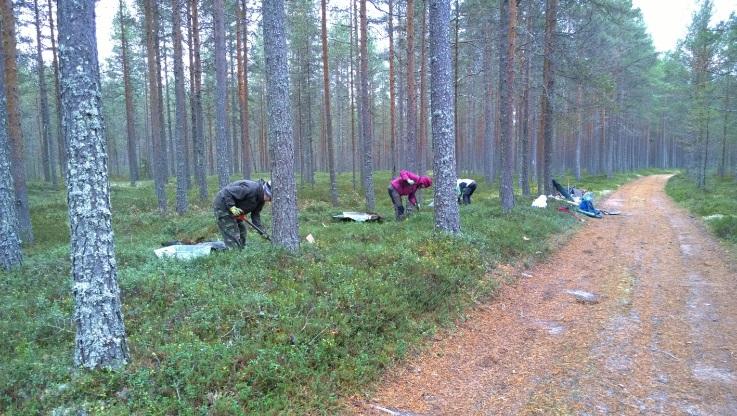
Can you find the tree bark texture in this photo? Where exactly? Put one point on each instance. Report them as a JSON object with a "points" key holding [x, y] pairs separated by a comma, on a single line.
{"points": [[221, 93], [130, 122], [18, 165], [507, 32], [48, 157], [443, 130], [412, 148], [365, 110], [546, 108], [158, 162], [242, 46], [180, 111], [10, 250], [392, 89], [326, 102], [284, 210], [198, 133], [62, 148], [100, 339]]}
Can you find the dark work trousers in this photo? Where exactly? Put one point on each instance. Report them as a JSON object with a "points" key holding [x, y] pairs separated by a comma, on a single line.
{"points": [[397, 202], [233, 231]]}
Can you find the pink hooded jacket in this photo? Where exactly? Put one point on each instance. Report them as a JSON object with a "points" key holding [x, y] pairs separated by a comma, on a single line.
{"points": [[405, 189]]}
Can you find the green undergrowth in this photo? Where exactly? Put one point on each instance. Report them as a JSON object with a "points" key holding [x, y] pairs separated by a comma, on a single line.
{"points": [[257, 331], [716, 204]]}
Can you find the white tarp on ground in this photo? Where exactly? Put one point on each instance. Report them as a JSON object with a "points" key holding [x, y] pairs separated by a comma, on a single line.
{"points": [[189, 251], [357, 216]]}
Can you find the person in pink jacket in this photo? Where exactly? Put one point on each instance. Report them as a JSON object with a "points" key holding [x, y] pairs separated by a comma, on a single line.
{"points": [[406, 184]]}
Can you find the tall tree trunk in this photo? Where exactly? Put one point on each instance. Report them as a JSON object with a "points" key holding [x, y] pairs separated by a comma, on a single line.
{"points": [[169, 146], [353, 83], [723, 158], [179, 102], [546, 108], [242, 46], [18, 166], [456, 48], [527, 56], [129, 110], [221, 93], [507, 31], [392, 99], [61, 146], [49, 160], [100, 341], [10, 250], [412, 149], [326, 101], [366, 133], [159, 159], [488, 153], [198, 133], [286, 227], [446, 207], [422, 154], [579, 131]]}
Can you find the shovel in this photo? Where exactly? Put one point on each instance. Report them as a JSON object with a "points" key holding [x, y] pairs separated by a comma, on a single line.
{"points": [[261, 232]]}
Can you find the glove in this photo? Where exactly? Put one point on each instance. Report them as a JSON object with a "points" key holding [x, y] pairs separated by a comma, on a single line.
{"points": [[410, 181], [235, 211]]}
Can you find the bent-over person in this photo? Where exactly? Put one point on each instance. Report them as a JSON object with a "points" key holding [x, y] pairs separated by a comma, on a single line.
{"points": [[233, 203]]}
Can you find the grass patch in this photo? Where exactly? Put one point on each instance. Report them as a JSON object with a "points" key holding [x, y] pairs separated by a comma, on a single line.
{"points": [[257, 331], [716, 204]]}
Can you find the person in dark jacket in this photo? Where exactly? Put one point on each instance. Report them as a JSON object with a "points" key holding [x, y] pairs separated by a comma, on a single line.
{"points": [[464, 189], [232, 204]]}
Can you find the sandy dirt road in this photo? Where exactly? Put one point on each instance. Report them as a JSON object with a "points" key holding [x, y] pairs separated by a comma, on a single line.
{"points": [[662, 338]]}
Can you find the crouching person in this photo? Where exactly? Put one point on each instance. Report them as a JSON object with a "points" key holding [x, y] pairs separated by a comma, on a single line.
{"points": [[406, 184], [465, 188], [233, 203]]}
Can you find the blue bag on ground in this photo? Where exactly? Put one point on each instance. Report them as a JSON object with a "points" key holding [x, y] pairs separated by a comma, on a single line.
{"points": [[586, 206]]}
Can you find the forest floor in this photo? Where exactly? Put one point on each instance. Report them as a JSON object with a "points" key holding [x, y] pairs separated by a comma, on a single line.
{"points": [[660, 339]]}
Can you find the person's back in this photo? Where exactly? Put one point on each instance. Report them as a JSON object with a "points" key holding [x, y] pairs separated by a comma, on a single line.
{"points": [[464, 189], [233, 202]]}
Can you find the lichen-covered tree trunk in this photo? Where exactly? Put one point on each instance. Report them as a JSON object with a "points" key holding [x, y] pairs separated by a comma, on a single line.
{"points": [[158, 161], [10, 251], [284, 210], [17, 165], [100, 340], [507, 34], [221, 94], [443, 128], [49, 161], [179, 102], [326, 102], [365, 110], [130, 123]]}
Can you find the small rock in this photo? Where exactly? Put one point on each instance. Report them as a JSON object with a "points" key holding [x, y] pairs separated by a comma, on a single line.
{"points": [[584, 297]]}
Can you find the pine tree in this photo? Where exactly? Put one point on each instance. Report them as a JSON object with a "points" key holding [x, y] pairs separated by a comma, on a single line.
{"points": [[443, 129], [280, 127], [100, 340]]}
